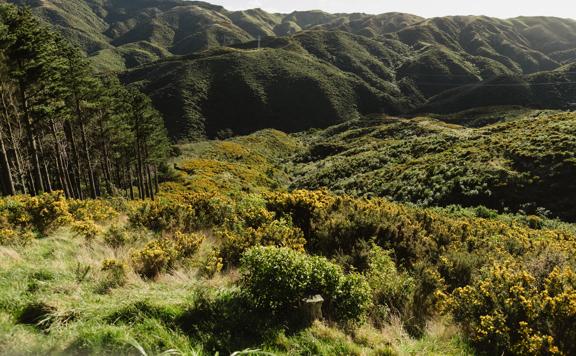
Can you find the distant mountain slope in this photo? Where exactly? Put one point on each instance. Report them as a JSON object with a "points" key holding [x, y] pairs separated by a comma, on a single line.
{"points": [[553, 89], [122, 34], [242, 90], [315, 68]]}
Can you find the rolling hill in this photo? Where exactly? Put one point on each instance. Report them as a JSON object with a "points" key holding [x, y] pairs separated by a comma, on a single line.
{"points": [[201, 64], [240, 90]]}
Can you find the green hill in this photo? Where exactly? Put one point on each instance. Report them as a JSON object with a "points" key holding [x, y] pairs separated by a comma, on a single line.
{"points": [[316, 69], [527, 163], [242, 90]]}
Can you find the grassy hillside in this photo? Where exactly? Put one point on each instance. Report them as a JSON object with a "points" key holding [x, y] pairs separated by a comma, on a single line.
{"points": [[523, 164]]}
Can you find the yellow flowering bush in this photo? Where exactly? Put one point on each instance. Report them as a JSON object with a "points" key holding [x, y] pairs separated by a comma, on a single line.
{"points": [[155, 257], [86, 228], [186, 245], [95, 210], [48, 211], [9, 237], [213, 264], [115, 274], [42, 213], [117, 236], [160, 255], [511, 311], [190, 213], [303, 206], [279, 233]]}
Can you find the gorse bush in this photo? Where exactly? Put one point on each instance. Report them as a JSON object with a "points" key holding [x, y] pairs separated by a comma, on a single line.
{"points": [[191, 212], [95, 210], [278, 279], [511, 311], [160, 255], [47, 212], [279, 233], [86, 229], [117, 236], [186, 245], [9, 237], [115, 274], [42, 213], [155, 257]]}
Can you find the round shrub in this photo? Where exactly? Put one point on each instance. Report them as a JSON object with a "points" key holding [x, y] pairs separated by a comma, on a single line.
{"points": [[117, 236], [156, 257], [278, 279]]}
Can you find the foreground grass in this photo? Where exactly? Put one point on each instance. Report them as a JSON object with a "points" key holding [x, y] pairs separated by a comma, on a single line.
{"points": [[55, 299]]}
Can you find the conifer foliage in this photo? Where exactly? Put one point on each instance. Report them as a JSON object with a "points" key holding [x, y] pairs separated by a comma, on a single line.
{"points": [[63, 127]]}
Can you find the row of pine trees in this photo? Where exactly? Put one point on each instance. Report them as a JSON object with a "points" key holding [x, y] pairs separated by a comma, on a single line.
{"points": [[65, 127]]}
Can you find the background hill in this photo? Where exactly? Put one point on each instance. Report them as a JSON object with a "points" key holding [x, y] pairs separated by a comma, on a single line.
{"points": [[316, 69]]}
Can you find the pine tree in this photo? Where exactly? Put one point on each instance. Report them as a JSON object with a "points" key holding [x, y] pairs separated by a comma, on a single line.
{"points": [[80, 128]]}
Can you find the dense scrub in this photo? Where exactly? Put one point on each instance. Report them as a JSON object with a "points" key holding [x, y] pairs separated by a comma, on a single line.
{"points": [[507, 280], [524, 164]]}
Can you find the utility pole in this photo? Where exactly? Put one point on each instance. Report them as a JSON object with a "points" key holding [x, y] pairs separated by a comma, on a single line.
{"points": [[259, 41]]}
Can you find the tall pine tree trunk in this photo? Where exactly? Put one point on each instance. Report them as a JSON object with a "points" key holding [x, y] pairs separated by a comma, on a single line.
{"points": [[76, 171], [91, 180], [130, 180], [139, 170], [148, 175], [156, 185], [38, 184], [6, 172], [59, 161], [106, 161], [45, 171]]}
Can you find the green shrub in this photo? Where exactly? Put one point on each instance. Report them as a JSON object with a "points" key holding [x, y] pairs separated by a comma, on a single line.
{"points": [[117, 236], [535, 222], [485, 213], [392, 290], [277, 279]]}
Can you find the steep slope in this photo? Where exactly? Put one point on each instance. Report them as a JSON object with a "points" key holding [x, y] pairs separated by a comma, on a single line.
{"points": [[501, 40], [553, 89], [242, 90], [372, 26], [406, 63], [122, 34]]}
